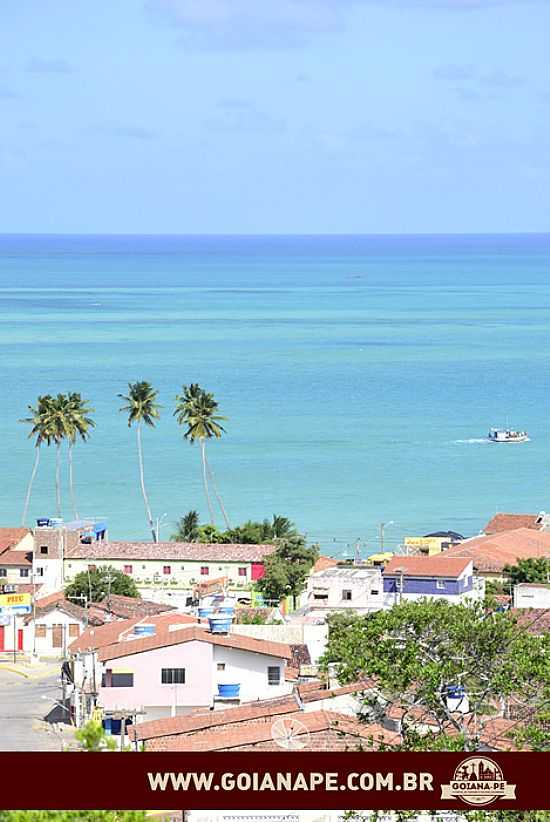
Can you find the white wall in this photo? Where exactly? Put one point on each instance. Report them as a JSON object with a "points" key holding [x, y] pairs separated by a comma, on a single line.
{"points": [[184, 573], [529, 596], [249, 669], [362, 587], [314, 636], [44, 646]]}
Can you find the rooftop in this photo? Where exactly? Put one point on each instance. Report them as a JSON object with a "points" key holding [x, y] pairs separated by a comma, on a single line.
{"points": [[16, 558], [511, 522], [441, 565], [492, 553], [11, 536], [194, 633], [353, 572], [177, 551]]}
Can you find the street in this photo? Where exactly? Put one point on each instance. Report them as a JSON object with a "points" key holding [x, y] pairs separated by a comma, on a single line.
{"points": [[28, 722]]}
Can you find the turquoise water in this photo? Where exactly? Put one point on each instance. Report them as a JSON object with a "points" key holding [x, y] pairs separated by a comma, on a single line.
{"points": [[359, 376]]}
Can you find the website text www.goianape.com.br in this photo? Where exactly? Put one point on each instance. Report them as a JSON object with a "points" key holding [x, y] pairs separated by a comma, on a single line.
{"points": [[285, 781]]}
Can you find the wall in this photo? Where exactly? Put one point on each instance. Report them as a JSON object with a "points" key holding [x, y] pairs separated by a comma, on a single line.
{"points": [[361, 587], [250, 671], [44, 647], [314, 636], [184, 573], [13, 574], [148, 690], [532, 597]]}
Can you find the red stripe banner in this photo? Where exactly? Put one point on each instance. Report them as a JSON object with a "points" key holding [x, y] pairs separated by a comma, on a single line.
{"points": [[278, 781]]}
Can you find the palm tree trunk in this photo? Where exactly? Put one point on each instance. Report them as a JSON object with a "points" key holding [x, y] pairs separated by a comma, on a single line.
{"points": [[71, 484], [31, 482], [218, 497], [58, 477], [205, 480], [142, 481]]}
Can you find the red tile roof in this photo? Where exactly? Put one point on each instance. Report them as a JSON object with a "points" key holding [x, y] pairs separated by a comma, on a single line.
{"points": [[128, 607], [172, 726], [11, 557], [10, 537], [315, 695], [436, 566], [194, 634], [237, 736], [102, 636], [511, 522], [42, 602], [323, 563], [535, 620], [492, 553], [171, 551]]}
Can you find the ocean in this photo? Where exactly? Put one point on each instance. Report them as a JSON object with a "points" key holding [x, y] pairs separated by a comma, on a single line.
{"points": [[359, 376]]}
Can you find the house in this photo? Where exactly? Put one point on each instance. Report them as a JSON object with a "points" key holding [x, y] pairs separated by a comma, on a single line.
{"points": [[353, 588], [408, 579], [168, 665], [16, 546], [52, 542], [490, 554], [177, 564], [532, 595], [502, 522], [283, 724]]}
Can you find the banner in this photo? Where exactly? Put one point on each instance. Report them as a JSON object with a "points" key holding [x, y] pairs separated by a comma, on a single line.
{"points": [[278, 781]]}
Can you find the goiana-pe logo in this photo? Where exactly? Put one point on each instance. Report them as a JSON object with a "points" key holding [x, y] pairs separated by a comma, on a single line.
{"points": [[478, 780]]}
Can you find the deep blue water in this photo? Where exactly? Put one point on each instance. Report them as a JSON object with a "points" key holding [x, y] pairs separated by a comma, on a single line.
{"points": [[359, 375]]}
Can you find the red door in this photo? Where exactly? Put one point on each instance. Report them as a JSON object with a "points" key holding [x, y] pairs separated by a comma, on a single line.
{"points": [[20, 639], [1, 637]]}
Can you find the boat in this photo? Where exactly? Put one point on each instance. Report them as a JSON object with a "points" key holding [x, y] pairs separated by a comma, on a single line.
{"points": [[507, 435]]}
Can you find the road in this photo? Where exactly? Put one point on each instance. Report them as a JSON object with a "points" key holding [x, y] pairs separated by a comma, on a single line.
{"points": [[26, 718]]}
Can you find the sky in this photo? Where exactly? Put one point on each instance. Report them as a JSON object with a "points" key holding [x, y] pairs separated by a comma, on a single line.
{"points": [[274, 116]]}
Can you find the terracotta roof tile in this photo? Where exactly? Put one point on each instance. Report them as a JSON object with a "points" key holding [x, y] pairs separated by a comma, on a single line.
{"points": [[175, 551], [42, 602], [172, 726], [323, 563], [304, 723], [535, 620], [436, 566], [11, 557], [492, 553], [311, 695], [194, 634], [10, 537], [128, 607], [511, 522], [102, 636]]}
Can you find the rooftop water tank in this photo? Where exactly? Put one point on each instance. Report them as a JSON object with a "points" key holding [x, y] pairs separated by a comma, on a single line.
{"points": [[220, 624], [229, 690]]}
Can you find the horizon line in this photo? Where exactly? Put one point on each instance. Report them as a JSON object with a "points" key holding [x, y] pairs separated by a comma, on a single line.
{"points": [[279, 234]]}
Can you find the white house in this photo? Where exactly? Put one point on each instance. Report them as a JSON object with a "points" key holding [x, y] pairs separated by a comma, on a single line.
{"points": [[345, 589], [532, 595]]}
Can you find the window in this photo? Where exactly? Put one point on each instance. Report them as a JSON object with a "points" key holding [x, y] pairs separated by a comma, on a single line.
{"points": [[114, 679], [167, 570], [440, 585], [3, 572], [242, 572], [23, 572], [273, 675], [43, 549], [172, 676], [221, 666], [374, 592], [143, 568], [346, 595], [320, 596], [39, 572], [204, 570], [40, 631], [182, 567], [127, 569]]}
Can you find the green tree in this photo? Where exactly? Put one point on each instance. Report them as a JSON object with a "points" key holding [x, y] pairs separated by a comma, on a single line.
{"points": [[529, 570], [142, 409], [196, 409], [417, 651], [101, 582], [39, 421], [187, 528], [287, 568], [78, 424], [70, 816], [92, 738]]}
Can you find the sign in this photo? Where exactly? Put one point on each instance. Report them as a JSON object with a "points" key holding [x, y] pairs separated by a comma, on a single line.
{"points": [[4, 620], [15, 604]]}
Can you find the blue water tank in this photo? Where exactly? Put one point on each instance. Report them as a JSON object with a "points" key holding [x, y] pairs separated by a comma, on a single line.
{"points": [[229, 690], [43, 522], [220, 624]]}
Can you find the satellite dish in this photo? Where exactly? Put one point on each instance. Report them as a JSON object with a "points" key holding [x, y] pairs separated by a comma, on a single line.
{"points": [[290, 734]]}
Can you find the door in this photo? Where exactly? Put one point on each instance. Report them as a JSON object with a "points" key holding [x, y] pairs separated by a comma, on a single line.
{"points": [[20, 639], [2, 637], [57, 636]]}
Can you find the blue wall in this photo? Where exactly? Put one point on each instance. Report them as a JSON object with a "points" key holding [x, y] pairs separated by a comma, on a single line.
{"points": [[427, 585]]}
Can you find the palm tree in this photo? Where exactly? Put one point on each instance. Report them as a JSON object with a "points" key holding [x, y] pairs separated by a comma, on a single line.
{"points": [[61, 427], [40, 422], [187, 528], [196, 409], [282, 527], [79, 424], [142, 408]]}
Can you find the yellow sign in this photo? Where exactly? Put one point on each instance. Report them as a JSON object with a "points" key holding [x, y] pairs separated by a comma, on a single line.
{"points": [[9, 600], [97, 714], [427, 545]]}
